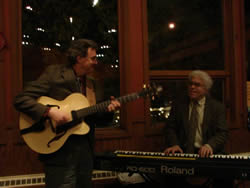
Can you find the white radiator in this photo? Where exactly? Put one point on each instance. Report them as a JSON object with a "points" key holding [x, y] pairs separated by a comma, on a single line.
{"points": [[39, 179]]}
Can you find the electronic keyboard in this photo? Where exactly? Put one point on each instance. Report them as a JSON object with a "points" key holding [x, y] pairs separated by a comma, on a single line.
{"points": [[224, 166]]}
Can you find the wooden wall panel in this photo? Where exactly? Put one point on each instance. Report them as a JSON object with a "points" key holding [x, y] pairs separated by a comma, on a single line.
{"points": [[239, 141], [248, 94], [238, 67], [2, 137], [15, 157], [111, 145], [155, 143]]}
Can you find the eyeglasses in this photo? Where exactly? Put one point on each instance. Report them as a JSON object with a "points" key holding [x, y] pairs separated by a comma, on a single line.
{"points": [[93, 58], [196, 84]]}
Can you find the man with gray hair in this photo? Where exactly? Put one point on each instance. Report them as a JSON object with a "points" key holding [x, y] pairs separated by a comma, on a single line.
{"points": [[204, 131], [197, 124]]}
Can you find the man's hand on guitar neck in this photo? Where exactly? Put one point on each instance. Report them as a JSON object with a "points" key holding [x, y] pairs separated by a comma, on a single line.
{"points": [[59, 116], [114, 104]]}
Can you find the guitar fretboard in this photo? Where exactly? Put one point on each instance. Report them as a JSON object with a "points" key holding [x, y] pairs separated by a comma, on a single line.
{"points": [[39, 179], [101, 107]]}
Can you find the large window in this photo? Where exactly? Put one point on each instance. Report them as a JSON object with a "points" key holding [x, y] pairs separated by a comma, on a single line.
{"points": [[185, 35], [49, 26]]}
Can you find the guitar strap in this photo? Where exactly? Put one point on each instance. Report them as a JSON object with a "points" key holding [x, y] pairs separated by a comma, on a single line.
{"points": [[57, 137], [36, 127], [39, 125]]}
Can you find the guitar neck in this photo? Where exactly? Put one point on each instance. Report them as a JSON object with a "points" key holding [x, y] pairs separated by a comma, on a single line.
{"points": [[102, 107]]}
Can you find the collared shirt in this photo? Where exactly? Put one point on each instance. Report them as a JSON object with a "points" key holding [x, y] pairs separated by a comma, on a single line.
{"points": [[200, 110]]}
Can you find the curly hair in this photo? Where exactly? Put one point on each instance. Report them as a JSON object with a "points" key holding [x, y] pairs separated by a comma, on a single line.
{"points": [[204, 76]]}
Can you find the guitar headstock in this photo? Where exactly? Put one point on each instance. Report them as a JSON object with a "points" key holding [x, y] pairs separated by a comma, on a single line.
{"points": [[151, 90]]}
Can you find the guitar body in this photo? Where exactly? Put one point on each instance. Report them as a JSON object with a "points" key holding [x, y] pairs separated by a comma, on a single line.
{"points": [[38, 141]]}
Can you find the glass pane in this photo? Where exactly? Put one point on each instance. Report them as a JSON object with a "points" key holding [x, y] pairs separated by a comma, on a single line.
{"points": [[173, 90], [50, 25], [185, 35]]}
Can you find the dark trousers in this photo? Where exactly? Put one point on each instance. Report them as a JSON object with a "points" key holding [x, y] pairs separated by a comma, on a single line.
{"points": [[71, 166], [67, 177]]}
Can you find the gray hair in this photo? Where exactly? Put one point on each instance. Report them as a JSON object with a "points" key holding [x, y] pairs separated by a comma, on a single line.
{"points": [[80, 48], [204, 76]]}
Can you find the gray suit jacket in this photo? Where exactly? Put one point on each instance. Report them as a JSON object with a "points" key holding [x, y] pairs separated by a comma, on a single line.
{"points": [[57, 82], [214, 127]]}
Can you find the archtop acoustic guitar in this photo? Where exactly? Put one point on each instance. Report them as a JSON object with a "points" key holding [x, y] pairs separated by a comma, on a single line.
{"points": [[42, 137]]}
